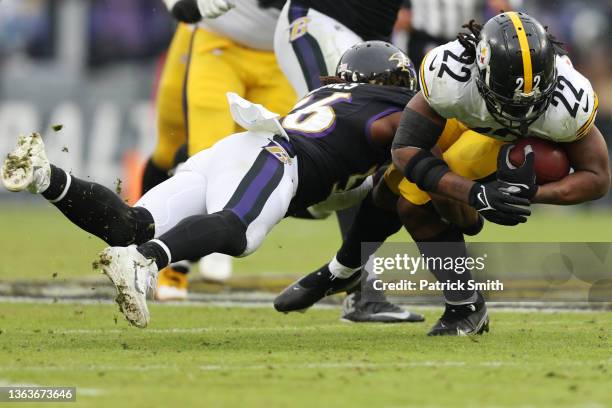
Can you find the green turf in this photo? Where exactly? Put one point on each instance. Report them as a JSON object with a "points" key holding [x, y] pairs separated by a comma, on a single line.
{"points": [[215, 357], [37, 242]]}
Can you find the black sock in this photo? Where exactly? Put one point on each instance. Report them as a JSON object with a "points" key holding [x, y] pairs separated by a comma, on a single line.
{"points": [[197, 236], [57, 184], [152, 176], [449, 244], [99, 211], [153, 250], [372, 224], [181, 267]]}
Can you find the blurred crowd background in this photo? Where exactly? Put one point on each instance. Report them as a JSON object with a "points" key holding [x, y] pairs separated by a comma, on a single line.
{"points": [[91, 65]]}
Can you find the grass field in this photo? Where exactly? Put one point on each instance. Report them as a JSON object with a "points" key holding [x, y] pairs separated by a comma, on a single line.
{"points": [[38, 242], [216, 357]]}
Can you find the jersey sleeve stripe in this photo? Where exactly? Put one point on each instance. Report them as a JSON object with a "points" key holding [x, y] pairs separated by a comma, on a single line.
{"points": [[587, 125], [422, 76], [524, 44]]}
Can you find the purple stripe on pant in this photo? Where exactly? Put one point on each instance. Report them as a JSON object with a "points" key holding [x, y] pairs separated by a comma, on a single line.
{"points": [[302, 47], [252, 193]]}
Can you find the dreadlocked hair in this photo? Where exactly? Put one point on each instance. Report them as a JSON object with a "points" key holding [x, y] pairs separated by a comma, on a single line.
{"points": [[558, 46], [470, 40], [330, 80]]}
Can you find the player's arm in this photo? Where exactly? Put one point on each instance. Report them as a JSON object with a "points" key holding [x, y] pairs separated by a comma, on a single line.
{"points": [[418, 132], [185, 11], [591, 177]]}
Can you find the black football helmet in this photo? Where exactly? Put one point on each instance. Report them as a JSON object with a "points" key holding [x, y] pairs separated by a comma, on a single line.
{"points": [[377, 62], [516, 64]]}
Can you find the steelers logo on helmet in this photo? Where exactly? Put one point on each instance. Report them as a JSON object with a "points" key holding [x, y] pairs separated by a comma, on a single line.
{"points": [[377, 62], [483, 54], [517, 76]]}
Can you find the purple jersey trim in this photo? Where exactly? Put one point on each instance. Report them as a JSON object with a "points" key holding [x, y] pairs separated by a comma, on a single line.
{"points": [[368, 126]]}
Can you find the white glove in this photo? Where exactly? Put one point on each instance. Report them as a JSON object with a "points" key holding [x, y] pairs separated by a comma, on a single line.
{"points": [[170, 4], [214, 8], [342, 199]]}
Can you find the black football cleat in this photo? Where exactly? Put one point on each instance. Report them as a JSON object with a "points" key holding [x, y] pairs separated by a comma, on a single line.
{"points": [[357, 310], [311, 288], [462, 320]]}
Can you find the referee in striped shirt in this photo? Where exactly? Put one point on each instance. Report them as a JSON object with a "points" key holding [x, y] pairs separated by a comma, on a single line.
{"points": [[425, 24]]}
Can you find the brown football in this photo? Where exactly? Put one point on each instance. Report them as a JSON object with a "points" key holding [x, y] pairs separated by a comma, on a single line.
{"points": [[550, 161]]}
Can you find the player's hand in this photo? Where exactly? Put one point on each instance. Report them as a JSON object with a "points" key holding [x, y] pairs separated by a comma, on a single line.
{"points": [[214, 8], [520, 181], [497, 206]]}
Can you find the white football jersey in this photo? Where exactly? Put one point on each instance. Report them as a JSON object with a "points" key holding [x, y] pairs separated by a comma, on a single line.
{"points": [[449, 85], [247, 24]]}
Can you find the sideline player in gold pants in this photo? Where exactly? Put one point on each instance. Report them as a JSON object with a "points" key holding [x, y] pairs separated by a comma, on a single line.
{"points": [[232, 53]]}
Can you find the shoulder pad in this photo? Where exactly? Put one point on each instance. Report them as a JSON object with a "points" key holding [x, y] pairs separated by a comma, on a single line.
{"points": [[573, 108], [444, 77]]}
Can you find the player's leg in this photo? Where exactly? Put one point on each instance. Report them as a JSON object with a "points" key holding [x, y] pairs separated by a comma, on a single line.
{"points": [[308, 45], [91, 206], [210, 76], [374, 224], [207, 120], [343, 272], [438, 226], [244, 198], [265, 82], [171, 133], [99, 210]]}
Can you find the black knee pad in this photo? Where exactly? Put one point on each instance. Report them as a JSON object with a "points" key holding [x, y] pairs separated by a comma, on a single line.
{"points": [[235, 232], [200, 235]]}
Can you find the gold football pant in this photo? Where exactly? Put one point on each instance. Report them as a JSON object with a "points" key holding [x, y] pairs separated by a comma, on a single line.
{"points": [[201, 67], [467, 153]]}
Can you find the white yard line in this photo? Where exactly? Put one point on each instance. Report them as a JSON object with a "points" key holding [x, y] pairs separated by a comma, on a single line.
{"points": [[298, 366], [501, 307]]}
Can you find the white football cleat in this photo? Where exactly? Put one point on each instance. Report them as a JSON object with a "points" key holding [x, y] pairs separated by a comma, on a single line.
{"points": [[216, 267], [27, 167], [132, 274]]}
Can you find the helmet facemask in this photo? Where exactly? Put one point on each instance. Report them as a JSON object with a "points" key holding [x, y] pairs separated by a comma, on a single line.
{"points": [[519, 112]]}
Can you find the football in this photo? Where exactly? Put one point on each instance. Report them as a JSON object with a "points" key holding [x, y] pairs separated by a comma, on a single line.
{"points": [[551, 162]]}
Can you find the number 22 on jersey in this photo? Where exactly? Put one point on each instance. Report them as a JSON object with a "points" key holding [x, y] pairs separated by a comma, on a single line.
{"points": [[315, 119]]}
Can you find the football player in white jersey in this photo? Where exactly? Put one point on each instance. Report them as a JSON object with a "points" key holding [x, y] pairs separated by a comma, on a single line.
{"points": [[505, 80]]}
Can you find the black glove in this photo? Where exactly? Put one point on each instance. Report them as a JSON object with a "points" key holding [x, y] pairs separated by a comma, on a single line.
{"points": [[520, 181], [186, 11], [496, 206]]}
